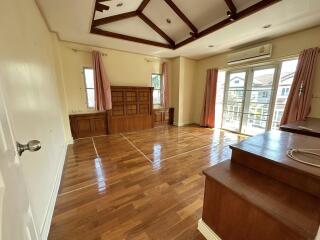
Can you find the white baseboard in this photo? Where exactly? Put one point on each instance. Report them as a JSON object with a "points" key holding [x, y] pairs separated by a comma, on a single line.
{"points": [[206, 231], [45, 228]]}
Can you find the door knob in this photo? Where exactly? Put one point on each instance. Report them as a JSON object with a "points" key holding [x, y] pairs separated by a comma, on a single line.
{"points": [[32, 146]]}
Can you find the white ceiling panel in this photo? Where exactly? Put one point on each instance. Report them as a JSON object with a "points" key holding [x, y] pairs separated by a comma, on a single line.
{"points": [[243, 4], [134, 27], [203, 13], [158, 12], [127, 6]]}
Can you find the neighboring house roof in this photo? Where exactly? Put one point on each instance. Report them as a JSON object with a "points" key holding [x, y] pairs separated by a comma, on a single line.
{"points": [[267, 79]]}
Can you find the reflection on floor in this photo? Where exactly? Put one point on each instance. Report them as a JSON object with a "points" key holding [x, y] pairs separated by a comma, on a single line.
{"points": [[140, 185]]}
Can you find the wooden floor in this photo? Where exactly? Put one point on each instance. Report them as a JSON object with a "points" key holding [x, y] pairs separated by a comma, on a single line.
{"points": [[140, 185]]}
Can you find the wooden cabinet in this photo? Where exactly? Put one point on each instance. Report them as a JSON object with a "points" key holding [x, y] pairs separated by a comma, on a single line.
{"points": [[131, 109], [88, 125], [163, 116]]}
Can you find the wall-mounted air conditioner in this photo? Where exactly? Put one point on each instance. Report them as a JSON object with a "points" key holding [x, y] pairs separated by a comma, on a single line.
{"points": [[252, 54]]}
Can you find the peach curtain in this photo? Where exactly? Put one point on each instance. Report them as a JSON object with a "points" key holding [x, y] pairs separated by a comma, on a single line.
{"points": [[165, 85], [101, 84], [298, 105], [209, 102]]}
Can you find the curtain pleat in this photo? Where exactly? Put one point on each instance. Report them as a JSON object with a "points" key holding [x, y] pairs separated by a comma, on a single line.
{"points": [[101, 84], [298, 105], [209, 102], [165, 85]]}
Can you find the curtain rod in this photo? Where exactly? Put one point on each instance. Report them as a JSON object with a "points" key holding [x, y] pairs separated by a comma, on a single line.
{"points": [[87, 51], [154, 60]]}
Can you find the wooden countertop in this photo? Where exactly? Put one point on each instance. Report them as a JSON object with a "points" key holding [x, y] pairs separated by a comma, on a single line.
{"points": [[273, 146], [310, 127]]}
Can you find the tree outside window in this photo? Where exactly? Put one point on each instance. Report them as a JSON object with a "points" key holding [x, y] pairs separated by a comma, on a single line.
{"points": [[156, 83]]}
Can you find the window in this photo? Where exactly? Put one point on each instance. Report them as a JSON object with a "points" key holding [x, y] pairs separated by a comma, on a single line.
{"points": [[219, 98], [254, 98], [288, 69], [285, 91], [156, 83], [89, 85]]}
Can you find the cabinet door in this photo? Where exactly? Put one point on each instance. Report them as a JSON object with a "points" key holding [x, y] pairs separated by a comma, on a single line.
{"points": [[98, 126], [157, 117], [84, 127]]}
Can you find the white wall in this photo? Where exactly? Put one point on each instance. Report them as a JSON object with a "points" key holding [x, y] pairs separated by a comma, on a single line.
{"points": [[28, 73], [123, 69]]}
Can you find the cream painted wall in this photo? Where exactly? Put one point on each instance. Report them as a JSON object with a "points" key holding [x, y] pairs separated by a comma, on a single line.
{"points": [[187, 84], [175, 88], [283, 47], [123, 69], [184, 70], [29, 80]]}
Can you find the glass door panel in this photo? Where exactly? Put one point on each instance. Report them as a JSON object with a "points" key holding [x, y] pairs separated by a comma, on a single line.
{"points": [[288, 69], [234, 100], [258, 101]]}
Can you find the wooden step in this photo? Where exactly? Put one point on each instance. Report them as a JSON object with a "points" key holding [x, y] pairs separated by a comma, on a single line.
{"points": [[266, 153], [240, 203]]}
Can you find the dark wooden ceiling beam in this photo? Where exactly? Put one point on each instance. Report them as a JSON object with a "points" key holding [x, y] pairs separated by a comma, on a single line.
{"points": [[244, 13], [231, 6], [143, 5], [114, 18], [101, 7], [128, 38], [235, 17], [157, 29], [183, 17]]}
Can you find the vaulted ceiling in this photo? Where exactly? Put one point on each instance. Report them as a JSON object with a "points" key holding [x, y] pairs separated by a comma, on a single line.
{"points": [[169, 23], [170, 28]]}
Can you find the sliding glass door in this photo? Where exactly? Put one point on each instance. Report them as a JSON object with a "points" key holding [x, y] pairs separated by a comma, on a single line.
{"points": [[249, 99], [234, 100], [259, 94]]}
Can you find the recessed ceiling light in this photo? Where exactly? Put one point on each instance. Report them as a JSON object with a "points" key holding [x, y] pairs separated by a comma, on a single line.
{"points": [[211, 46], [267, 26], [119, 4], [168, 20]]}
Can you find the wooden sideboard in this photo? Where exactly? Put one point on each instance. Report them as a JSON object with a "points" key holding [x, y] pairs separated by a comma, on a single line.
{"points": [[88, 124], [163, 116], [132, 110]]}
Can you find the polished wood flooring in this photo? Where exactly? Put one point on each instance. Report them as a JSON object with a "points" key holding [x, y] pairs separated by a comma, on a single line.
{"points": [[140, 185]]}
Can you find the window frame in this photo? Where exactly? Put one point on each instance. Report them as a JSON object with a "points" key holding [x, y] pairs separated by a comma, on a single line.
{"points": [[249, 70], [86, 87], [161, 90]]}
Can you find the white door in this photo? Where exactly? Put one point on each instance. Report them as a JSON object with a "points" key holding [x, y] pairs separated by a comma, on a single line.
{"points": [[16, 220]]}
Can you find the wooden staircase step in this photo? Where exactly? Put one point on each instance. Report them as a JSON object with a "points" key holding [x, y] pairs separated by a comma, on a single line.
{"points": [[240, 203], [266, 153]]}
